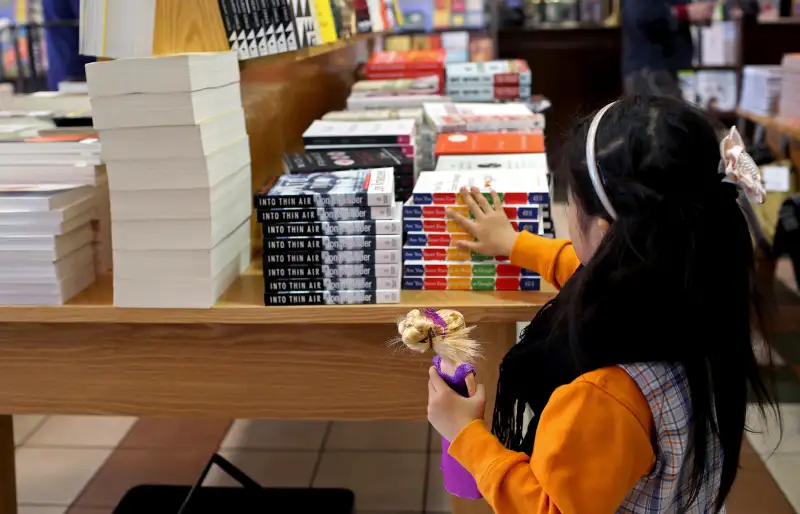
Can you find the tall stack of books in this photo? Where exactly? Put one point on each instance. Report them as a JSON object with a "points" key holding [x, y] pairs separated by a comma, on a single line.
{"points": [[761, 89], [177, 155], [66, 159], [431, 259], [341, 140], [331, 238], [488, 81], [46, 254], [790, 86]]}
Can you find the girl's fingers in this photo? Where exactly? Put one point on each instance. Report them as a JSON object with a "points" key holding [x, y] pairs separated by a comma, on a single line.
{"points": [[471, 246], [497, 204], [481, 200], [471, 385], [462, 220], [473, 207]]}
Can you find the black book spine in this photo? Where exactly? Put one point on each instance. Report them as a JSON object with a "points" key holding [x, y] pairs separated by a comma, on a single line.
{"points": [[316, 244], [289, 25], [354, 140], [279, 260], [341, 228], [249, 33], [269, 26], [321, 284], [227, 20], [321, 298], [240, 39], [315, 214], [259, 43], [262, 201], [319, 271]]}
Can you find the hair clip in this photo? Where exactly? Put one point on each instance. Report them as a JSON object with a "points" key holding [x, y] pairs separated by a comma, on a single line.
{"points": [[432, 314], [739, 168]]}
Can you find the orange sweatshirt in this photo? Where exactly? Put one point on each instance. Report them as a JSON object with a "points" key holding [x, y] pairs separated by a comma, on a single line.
{"points": [[593, 442]]}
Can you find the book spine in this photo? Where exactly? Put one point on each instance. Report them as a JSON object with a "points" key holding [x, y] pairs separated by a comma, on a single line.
{"points": [[463, 269], [332, 244], [245, 38], [393, 139], [435, 239], [311, 201], [327, 24], [332, 284], [268, 22], [422, 212], [276, 16], [453, 227], [472, 284], [411, 253], [332, 228], [239, 44], [363, 22], [334, 258], [289, 25], [259, 28], [332, 297], [227, 20], [336, 272], [251, 22], [323, 214]]}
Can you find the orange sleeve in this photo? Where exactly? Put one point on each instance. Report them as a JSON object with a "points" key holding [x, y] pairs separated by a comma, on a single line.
{"points": [[554, 259], [592, 446]]}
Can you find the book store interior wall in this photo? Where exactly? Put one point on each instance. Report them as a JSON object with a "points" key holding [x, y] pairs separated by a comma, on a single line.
{"points": [[235, 234]]}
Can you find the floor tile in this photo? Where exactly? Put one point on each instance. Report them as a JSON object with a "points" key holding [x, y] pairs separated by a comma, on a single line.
{"points": [[378, 436], [754, 490], [176, 433], [24, 426], [783, 467], [275, 435], [767, 433], [437, 500], [40, 509], [82, 431], [55, 476], [269, 469], [381, 481], [126, 469]]}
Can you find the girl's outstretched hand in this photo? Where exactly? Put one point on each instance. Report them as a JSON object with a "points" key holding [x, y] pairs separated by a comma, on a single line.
{"points": [[494, 235], [448, 411]]}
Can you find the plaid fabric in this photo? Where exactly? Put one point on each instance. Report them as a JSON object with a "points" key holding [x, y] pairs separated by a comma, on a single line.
{"points": [[666, 488]]}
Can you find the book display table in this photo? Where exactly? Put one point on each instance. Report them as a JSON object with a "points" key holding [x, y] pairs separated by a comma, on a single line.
{"points": [[236, 360]]}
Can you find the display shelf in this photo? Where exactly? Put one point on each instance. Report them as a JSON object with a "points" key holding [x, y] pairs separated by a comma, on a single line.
{"points": [[785, 126]]}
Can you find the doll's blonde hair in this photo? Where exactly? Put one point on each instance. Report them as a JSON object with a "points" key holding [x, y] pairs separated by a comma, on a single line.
{"points": [[448, 336]]}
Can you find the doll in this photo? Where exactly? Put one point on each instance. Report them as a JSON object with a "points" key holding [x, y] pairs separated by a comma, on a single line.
{"points": [[447, 334]]}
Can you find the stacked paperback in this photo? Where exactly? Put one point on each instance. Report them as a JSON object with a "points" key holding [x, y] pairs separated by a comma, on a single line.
{"points": [[790, 86], [331, 238], [761, 89], [482, 117], [431, 258], [178, 162], [395, 94], [46, 254], [488, 81], [406, 65]]}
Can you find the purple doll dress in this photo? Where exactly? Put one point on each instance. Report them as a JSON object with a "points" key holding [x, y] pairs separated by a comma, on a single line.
{"points": [[457, 480]]}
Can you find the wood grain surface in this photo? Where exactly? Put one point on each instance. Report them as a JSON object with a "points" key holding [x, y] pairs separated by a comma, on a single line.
{"points": [[8, 479], [188, 26]]}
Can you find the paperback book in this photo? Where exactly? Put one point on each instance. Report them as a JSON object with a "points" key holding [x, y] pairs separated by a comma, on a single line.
{"points": [[504, 73], [374, 115], [332, 284], [332, 297], [331, 258], [513, 161], [439, 212], [356, 188], [513, 187], [323, 134], [453, 227], [335, 272], [325, 214], [473, 283], [481, 117], [462, 269], [349, 159], [489, 143], [336, 228], [332, 244], [444, 253]]}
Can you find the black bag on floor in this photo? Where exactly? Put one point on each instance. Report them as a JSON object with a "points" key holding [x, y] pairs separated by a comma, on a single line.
{"points": [[787, 234], [250, 498]]}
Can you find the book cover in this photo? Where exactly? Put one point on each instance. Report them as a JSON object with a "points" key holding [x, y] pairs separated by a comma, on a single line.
{"points": [[453, 227], [332, 297], [536, 162], [481, 117], [332, 244], [439, 212], [330, 258], [446, 253], [412, 268], [335, 272], [358, 188], [333, 228], [470, 143], [315, 214], [435, 238], [326, 21], [332, 284], [343, 133], [349, 159], [421, 85], [512, 72], [513, 187], [489, 93], [472, 283], [422, 61]]}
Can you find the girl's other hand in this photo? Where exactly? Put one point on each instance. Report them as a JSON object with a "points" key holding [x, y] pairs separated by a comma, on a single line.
{"points": [[494, 235], [448, 411]]}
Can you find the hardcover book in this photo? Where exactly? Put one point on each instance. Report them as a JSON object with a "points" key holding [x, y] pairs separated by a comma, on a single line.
{"points": [[335, 272], [481, 117], [358, 188], [326, 243], [342, 133], [489, 143], [439, 212], [473, 283], [513, 187], [332, 284], [332, 297]]}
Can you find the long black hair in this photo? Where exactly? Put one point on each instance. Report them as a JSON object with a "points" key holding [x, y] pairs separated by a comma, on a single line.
{"points": [[672, 280]]}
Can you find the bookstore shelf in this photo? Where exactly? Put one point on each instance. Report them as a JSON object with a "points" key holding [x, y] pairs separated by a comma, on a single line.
{"points": [[783, 126]]}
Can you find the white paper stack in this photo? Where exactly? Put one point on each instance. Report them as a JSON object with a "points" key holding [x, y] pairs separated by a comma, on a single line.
{"points": [[178, 160], [68, 160], [761, 89], [46, 254], [790, 86]]}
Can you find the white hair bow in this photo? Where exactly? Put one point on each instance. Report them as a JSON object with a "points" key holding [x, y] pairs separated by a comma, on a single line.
{"points": [[740, 168]]}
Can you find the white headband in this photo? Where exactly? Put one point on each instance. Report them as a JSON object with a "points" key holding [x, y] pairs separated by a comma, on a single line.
{"points": [[591, 162]]}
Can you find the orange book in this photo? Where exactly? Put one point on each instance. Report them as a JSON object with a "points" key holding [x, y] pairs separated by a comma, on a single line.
{"points": [[482, 143]]}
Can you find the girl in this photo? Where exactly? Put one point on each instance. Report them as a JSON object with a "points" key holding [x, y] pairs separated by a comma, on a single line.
{"points": [[627, 392]]}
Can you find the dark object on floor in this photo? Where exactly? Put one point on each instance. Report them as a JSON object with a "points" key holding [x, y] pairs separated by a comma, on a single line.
{"points": [[787, 234], [250, 498]]}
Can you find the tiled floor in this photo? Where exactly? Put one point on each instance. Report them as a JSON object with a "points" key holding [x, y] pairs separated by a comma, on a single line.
{"points": [[83, 465]]}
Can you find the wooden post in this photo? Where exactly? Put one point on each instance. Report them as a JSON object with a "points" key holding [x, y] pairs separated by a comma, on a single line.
{"points": [[8, 476]]}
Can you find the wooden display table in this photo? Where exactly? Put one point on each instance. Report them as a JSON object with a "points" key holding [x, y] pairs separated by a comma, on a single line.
{"points": [[236, 360]]}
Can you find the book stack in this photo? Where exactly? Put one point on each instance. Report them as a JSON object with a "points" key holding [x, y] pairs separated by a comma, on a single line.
{"points": [[790, 86], [46, 254], [523, 151], [177, 155], [488, 81], [761, 89], [406, 64], [482, 117], [340, 139], [331, 238], [431, 259], [67, 160], [395, 93]]}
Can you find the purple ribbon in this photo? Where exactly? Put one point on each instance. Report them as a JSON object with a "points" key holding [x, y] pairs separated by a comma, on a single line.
{"points": [[432, 314]]}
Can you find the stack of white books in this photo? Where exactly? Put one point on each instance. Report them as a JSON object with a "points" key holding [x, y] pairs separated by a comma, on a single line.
{"points": [[178, 159], [761, 89], [790, 86], [68, 160], [46, 254]]}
